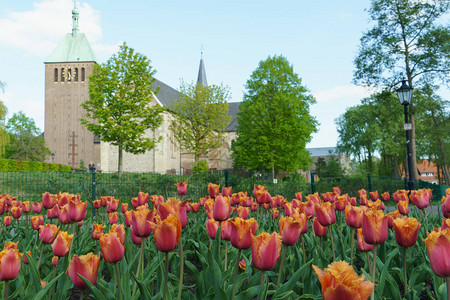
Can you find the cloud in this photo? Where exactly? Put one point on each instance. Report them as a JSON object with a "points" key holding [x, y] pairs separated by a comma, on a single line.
{"points": [[38, 31], [344, 93]]}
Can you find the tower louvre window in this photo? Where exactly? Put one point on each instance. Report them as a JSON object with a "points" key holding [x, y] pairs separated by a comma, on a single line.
{"points": [[62, 74], [83, 74], [55, 79], [76, 75]]}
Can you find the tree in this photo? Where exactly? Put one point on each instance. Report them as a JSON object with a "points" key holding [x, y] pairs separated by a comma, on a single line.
{"points": [[26, 142], [274, 120], [200, 118], [406, 40], [121, 109], [4, 136]]}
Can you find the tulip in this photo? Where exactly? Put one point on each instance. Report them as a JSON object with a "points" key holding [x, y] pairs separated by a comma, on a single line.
{"points": [[77, 211], [128, 216], [37, 221], [225, 231], [438, 246], [16, 212], [135, 239], [55, 260], [400, 195], [182, 188], [96, 204], [337, 190], [375, 226], [242, 264], [112, 205], [221, 208], [325, 213], [341, 202], [406, 230], [213, 190], [48, 233], [266, 249], [361, 243], [226, 191], [9, 264], [208, 205], [211, 228], [64, 215], [385, 196], [10, 245], [124, 207], [63, 199], [374, 195], [120, 230], [275, 213], [241, 232], [97, 230], [363, 200], [113, 218], [446, 203], [254, 206], [263, 196], [403, 207], [420, 198], [167, 233], [340, 281], [37, 207], [61, 244], [86, 266], [392, 216], [112, 247], [176, 207], [354, 216], [48, 200], [25, 259], [142, 198], [2, 206], [53, 212], [290, 229], [134, 202], [26, 206], [7, 220], [195, 207], [299, 196], [319, 230]]}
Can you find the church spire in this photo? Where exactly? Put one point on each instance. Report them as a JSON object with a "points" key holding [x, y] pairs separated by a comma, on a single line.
{"points": [[201, 80], [75, 16]]}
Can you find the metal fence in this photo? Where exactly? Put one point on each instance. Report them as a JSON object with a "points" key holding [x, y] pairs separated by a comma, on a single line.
{"points": [[29, 185]]}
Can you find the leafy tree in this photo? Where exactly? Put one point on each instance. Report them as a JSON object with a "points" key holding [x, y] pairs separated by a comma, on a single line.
{"points": [[406, 40], [121, 109], [200, 118], [274, 120], [4, 136], [26, 142]]}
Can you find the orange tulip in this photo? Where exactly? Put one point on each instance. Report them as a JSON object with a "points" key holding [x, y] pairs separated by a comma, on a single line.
{"points": [[226, 191], [354, 216], [97, 230], [211, 228], [61, 244], [86, 266], [299, 196], [266, 249], [221, 208], [139, 219], [400, 195], [112, 248], [420, 198], [9, 264], [113, 217], [167, 233], [438, 246], [290, 229], [48, 233], [26, 206], [319, 230], [403, 207], [48, 200], [241, 232], [176, 207], [124, 207], [375, 226], [391, 217], [385, 196], [77, 211], [325, 213], [135, 239], [142, 198], [36, 221], [275, 213], [182, 188], [16, 212], [213, 190], [10, 245], [55, 260], [263, 196], [341, 202], [361, 243], [120, 230], [195, 207], [406, 230], [374, 195], [337, 190], [2, 206], [340, 281]]}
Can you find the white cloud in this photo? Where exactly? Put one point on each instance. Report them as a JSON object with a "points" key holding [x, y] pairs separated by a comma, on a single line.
{"points": [[38, 31], [342, 93]]}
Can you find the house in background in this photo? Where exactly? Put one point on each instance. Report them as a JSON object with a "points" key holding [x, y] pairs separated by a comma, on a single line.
{"points": [[428, 171], [325, 154]]}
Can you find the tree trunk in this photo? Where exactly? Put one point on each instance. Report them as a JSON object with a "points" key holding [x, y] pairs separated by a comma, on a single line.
{"points": [[119, 167], [415, 174], [395, 167]]}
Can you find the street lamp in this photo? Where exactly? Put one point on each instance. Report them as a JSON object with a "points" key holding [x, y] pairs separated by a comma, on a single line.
{"points": [[404, 94], [53, 157]]}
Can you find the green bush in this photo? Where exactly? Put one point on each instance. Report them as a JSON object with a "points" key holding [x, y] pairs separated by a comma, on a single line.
{"points": [[22, 165], [200, 167]]}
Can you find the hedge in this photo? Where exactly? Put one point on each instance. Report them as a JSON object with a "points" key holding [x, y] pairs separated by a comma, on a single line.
{"points": [[21, 165]]}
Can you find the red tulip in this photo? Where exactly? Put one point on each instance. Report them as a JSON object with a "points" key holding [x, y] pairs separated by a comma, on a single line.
{"points": [[48, 232], [135, 239], [112, 248], [37, 207], [195, 207], [420, 198], [213, 190], [142, 198], [361, 243], [86, 266], [263, 196], [113, 218], [385, 196], [226, 191], [337, 190], [25, 259], [375, 226], [241, 232], [2, 206], [182, 188], [400, 195], [391, 217], [211, 228], [77, 211], [55, 260], [325, 213], [167, 233], [141, 227], [406, 230], [243, 212], [37, 221], [354, 216], [266, 250], [120, 230], [7, 220], [221, 208], [374, 195], [225, 230], [112, 205], [319, 230], [290, 229], [175, 207], [61, 244], [48, 200], [26, 206], [97, 230], [96, 204], [16, 212], [299, 196], [124, 207], [403, 207], [438, 246], [9, 264]]}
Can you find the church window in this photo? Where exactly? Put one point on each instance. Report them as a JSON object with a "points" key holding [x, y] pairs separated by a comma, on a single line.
{"points": [[55, 75], [83, 74], [76, 75], [62, 74]]}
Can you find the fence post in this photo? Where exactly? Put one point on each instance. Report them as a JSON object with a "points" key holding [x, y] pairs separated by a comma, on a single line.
{"points": [[227, 173], [93, 191], [369, 181], [313, 186]]}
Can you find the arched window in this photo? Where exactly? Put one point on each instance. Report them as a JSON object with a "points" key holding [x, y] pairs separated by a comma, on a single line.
{"points": [[62, 74], [82, 74], [56, 75], [75, 74]]}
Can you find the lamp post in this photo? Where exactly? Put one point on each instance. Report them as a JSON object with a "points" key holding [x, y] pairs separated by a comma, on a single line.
{"points": [[53, 157], [404, 93]]}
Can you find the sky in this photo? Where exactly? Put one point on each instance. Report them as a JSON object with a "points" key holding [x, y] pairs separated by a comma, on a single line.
{"points": [[319, 38]]}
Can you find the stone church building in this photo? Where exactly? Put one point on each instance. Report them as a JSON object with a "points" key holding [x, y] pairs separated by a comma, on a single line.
{"points": [[67, 72]]}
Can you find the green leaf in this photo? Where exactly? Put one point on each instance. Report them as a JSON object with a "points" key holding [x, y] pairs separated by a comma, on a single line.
{"points": [[49, 285], [292, 281], [97, 294]]}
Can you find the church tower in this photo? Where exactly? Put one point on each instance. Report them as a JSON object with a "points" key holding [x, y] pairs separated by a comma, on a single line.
{"points": [[66, 86]]}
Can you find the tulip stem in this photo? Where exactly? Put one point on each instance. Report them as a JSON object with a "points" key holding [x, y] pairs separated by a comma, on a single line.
{"points": [[180, 285], [352, 245], [368, 262], [262, 281], [374, 269], [405, 278], [119, 287], [166, 276], [280, 272], [40, 257], [141, 255], [426, 219], [332, 243], [448, 287], [71, 241], [235, 274], [6, 289], [226, 254], [303, 249]]}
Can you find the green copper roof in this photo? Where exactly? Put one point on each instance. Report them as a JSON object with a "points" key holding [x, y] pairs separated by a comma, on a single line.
{"points": [[73, 48]]}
